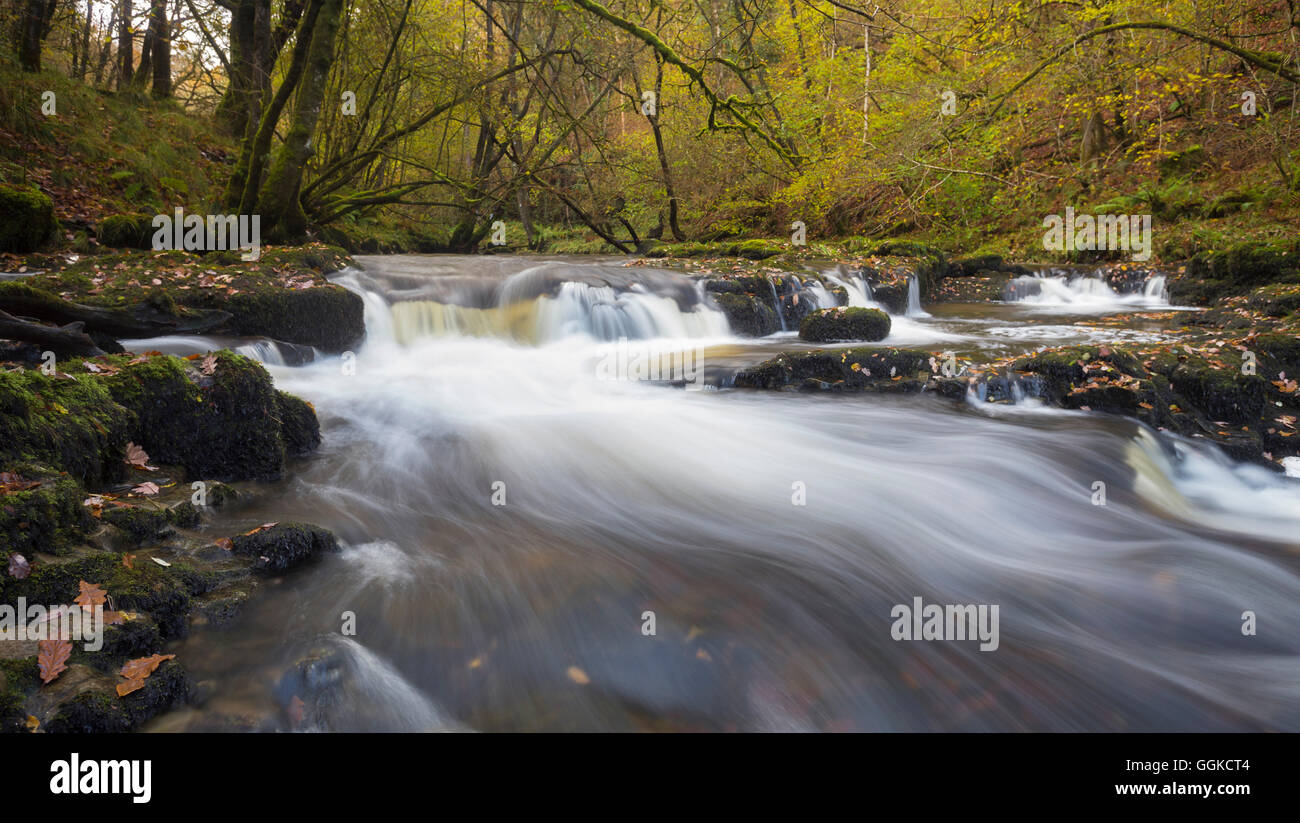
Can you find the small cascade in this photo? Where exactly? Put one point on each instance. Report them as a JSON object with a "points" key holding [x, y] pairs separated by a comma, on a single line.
{"points": [[855, 286], [914, 299], [1156, 288], [776, 302], [1089, 291]]}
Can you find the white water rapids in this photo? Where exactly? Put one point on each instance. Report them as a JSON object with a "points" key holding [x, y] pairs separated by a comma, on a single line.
{"points": [[625, 499]]}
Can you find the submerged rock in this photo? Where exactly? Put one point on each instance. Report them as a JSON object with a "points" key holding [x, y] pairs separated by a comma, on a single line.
{"points": [[284, 546]]}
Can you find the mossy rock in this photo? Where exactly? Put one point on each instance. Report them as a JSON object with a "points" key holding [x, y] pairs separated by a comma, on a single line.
{"points": [[284, 546], [139, 523], [1280, 352], [879, 370], [1236, 270], [69, 423], [97, 712], [49, 518], [131, 231], [851, 323], [19, 677], [223, 426], [1223, 394], [299, 427], [26, 219], [164, 593], [330, 318], [747, 315]]}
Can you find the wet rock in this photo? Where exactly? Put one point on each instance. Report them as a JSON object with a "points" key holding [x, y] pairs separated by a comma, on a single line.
{"points": [[139, 523], [299, 427], [284, 546], [849, 323], [47, 518], [747, 315], [228, 425], [879, 370], [96, 711]]}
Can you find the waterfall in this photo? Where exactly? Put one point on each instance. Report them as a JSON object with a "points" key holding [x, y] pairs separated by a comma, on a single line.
{"points": [[914, 298], [776, 302], [1082, 292]]}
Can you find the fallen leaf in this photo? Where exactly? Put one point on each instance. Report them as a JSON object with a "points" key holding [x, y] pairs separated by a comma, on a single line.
{"points": [[19, 568], [137, 457], [160, 561], [146, 489], [52, 658], [138, 670], [578, 676], [91, 595]]}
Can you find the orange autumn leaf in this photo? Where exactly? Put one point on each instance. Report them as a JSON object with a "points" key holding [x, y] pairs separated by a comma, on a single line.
{"points": [[52, 658], [91, 595], [138, 670]]}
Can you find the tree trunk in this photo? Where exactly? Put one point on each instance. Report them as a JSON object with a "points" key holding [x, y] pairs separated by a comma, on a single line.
{"points": [[162, 53], [125, 48], [278, 203], [32, 28]]}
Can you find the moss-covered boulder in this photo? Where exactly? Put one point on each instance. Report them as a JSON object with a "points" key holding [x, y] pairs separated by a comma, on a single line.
{"points": [[130, 231], [100, 711], [63, 421], [299, 427], [223, 425], [884, 370], [47, 517], [845, 323], [284, 546], [26, 219], [747, 315], [19, 677], [163, 593]]}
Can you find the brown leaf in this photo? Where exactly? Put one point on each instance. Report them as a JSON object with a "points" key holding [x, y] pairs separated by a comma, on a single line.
{"points": [[138, 670], [146, 489], [52, 658], [137, 457], [209, 366], [225, 543], [91, 595], [126, 560]]}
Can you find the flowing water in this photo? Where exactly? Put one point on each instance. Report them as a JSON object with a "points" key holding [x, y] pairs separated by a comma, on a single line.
{"points": [[514, 527]]}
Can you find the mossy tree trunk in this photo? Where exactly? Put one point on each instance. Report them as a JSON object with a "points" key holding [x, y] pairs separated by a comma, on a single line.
{"points": [[278, 201]]}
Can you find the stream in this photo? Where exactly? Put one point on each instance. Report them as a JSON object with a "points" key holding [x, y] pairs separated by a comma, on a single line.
{"points": [[515, 525]]}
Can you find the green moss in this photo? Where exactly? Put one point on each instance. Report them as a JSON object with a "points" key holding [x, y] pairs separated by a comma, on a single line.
{"points": [[19, 677], [132, 231], [69, 423], [165, 594], [852, 323], [298, 424], [226, 425], [139, 523], [26, 219], [48, 518], [860, 369]]}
